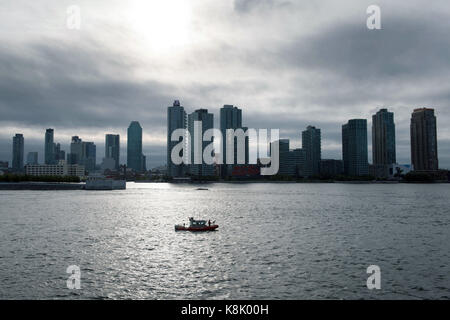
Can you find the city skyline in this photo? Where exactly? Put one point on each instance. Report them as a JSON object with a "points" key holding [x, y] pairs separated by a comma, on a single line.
{"points": [[310, 139]]}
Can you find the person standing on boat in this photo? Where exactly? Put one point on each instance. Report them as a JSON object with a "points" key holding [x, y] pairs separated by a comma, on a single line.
{"points": [[209, 223]]}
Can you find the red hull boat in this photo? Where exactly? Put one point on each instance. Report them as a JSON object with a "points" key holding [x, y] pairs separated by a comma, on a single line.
{"points": [[197, 226], [206, 228]]}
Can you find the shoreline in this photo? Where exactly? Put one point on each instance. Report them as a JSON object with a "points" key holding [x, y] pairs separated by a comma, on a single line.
{"points": [[54, 186], [51, 186]]}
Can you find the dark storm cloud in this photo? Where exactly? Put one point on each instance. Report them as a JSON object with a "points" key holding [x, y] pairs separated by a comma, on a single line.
{"points": [[404, 48], [56, 84]]}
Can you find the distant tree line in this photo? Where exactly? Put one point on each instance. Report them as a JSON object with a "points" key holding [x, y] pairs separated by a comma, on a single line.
{"points": [[427, 176], [24, 178]]}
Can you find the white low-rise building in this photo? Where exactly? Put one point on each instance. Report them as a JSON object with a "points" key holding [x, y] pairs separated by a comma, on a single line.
{"points": [[60, 169]]}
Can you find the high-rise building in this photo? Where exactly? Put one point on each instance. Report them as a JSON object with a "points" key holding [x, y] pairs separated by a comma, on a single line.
{"points": [[383, 138], [354, 147], [89, 156], [300, 162], [292, 163], [207, 122], [32, 158], [112, 148], [76, 151], [59, 169], [311, 143], [176, 119], [59, 154], [18, 152], [230, 118], [82, 153], [286, 167], [134, 147], [424, 152], [331, 167], [49, 147]]}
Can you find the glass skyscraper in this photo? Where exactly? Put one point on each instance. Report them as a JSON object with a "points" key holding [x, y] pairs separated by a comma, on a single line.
{"points": [[18, 152], [231, 118], [354, 148], [112, 148], [82, 153], [89, 156], [207, 120], [176, 119], [134, 147], [311, 144], [49, 147]]}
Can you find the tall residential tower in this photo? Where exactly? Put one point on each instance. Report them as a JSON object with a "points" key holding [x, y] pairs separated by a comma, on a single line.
{"points": [[18, 152], [354, 147], [49, 147], [207, 122], [135, 158], [311, 144], [112, 148], [424, 152], [231, 118], [176, 119], [383, 138]]}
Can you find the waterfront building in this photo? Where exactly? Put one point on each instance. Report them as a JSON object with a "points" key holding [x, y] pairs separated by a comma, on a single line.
{"points": [[231, 118], [354, 148], [89, 156], [300, 159], [135, 159], [176, 119], [18, 152], [287, 159], [82, 153], [59, 169], [76, 151], [383, 138], [311, 143], [207, 122], [112, 149], [49, 156], [59, 154], [424, 152], [331, 167]]}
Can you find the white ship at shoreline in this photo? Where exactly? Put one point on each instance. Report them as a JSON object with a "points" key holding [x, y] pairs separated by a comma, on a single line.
{"points": [[103, 183]]}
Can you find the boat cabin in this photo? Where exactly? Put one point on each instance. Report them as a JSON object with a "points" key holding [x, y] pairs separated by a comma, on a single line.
{"points": [[197, 223]]}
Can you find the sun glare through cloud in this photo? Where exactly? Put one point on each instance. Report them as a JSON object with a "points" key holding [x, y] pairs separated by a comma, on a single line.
{"points": [[161, 25]]}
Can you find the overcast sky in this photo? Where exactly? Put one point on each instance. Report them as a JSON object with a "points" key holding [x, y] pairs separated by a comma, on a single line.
{"points": [[287, 64]]}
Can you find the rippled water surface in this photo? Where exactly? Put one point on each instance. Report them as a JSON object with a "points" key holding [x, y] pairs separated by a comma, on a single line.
{"points": [[275, 241]]}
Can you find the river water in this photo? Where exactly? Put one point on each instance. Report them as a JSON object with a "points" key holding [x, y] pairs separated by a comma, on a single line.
{"points": [[275, 241]]}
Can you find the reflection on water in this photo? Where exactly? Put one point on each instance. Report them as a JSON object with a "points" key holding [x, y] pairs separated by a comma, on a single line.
{"points": [[279, 241]]}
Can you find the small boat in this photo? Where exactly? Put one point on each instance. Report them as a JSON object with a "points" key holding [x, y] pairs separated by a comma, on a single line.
{"points": [[197, 225], [202, 189]]}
